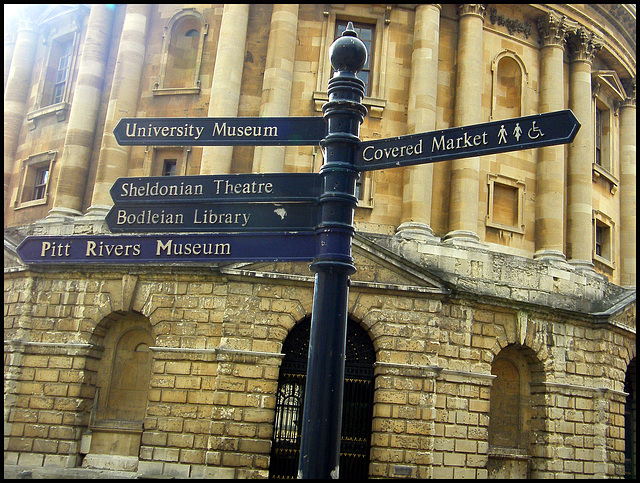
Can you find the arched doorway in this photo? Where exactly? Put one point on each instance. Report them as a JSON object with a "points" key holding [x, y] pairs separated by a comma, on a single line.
{"points": [[357, 403]]}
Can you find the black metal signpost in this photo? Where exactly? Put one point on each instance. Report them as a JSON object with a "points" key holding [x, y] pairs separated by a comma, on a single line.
{"points": [[283, 217], [322, 412]]}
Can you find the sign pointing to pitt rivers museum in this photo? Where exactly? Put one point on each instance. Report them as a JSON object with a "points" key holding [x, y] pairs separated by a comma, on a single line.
{"points": [[179, 248], [559, 127]]}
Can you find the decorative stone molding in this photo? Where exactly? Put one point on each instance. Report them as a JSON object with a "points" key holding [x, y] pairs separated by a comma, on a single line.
{"points": [[406, 370], [513, 25]]}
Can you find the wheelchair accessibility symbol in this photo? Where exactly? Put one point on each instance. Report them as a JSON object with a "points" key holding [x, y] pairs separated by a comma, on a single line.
{"points": [[535, 132]]}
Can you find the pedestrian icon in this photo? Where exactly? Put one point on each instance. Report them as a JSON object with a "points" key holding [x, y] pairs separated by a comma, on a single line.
{"points": [[517, 132], [502, 135]]}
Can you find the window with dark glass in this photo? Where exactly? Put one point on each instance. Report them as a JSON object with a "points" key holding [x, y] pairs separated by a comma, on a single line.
{"points": [[366, 34], [62, 73], [599, 239], [169, 167], [598, 140], [40, 183]]}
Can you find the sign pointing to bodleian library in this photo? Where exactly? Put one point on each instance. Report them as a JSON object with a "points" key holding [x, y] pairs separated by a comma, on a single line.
{"points": [[559, 127], [225, 131], [215, 203], [212, 217]]}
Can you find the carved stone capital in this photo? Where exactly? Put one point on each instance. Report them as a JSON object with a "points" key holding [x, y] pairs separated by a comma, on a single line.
{"points": [[478, 9], [630, 90], [583, 45], [554, 28]]}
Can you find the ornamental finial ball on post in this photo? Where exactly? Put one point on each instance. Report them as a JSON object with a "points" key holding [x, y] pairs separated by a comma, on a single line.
{"points": [[348, 53]]}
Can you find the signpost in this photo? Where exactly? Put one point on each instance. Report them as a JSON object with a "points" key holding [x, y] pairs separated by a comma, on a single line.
{"points": [[229, 188], [272, 216], [212, 217], [223, 131], [527, 132], [191, 248]]}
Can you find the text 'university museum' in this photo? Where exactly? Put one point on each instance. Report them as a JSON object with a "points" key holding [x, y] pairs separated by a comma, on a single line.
{"points": [[166, 194]]}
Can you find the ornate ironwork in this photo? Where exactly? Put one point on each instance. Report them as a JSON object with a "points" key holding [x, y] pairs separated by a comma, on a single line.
{"points": [[357, 403]]}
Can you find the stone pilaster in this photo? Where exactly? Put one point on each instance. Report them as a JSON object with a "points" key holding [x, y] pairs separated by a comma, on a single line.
{"points": [[465, 182], [278, 80], [583, 45], [227, 79], [16, 93], [421, 117], [628, 187], [550, 184], [78, 144], [123, 102]]}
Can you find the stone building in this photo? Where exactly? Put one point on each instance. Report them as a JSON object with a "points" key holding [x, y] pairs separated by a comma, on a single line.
{"points": [[492, 319]]}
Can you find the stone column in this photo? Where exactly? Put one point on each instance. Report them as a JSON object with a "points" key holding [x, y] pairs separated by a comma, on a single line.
{"points": [[550, 184], [421, 117], [226, 82], [465, 182], [123, 102], [628, 188], [78, 143], [16, 93], [10, 33], [583, 45], [278, 80]]}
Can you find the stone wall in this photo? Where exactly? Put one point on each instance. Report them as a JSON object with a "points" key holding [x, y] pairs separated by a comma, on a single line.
{"points": [[217, 336]]}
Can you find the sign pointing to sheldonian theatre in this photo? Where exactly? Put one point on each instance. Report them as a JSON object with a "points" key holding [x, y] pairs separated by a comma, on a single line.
{"points": [[535, 131], [225, 131]]}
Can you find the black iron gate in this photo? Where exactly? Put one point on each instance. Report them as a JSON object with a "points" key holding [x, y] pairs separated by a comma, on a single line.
{"points": [[357, 403]]}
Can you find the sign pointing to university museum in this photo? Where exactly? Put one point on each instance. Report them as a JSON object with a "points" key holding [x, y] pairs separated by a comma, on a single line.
{"points": [[225, 131], [136, 249], [559, 127]]}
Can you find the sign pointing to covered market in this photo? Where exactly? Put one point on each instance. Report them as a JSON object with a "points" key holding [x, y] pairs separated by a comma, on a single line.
{"points": [[224, 131], [559, 127]]}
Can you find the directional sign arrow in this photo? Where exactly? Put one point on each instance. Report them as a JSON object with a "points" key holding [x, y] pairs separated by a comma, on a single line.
{"points": [[535, 131], [136, 249], [223, 131], [219, 188], [212, 217]]}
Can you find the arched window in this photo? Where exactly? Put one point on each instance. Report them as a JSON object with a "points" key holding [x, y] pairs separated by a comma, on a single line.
{"points": [[510, 415], [182, 54], [357, 403], [129, 385], [122, 390], [509, 80]]}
